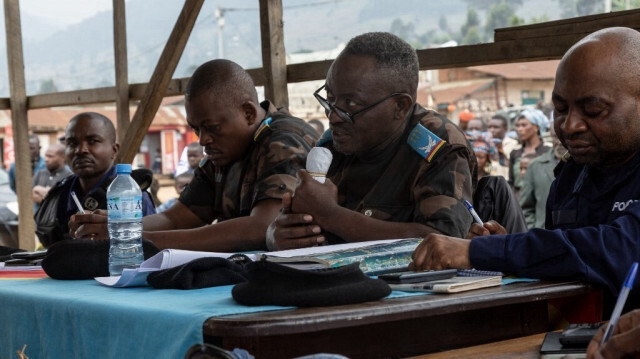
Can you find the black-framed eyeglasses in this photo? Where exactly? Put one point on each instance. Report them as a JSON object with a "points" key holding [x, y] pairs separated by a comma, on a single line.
{"points": [[345, 115]]}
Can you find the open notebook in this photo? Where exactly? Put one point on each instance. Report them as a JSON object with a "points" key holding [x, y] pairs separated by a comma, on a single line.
{"points": [[374, 256]]}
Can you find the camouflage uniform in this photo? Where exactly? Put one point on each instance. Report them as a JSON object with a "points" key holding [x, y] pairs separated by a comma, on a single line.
{"points": [[268, 170], [398, 184]]}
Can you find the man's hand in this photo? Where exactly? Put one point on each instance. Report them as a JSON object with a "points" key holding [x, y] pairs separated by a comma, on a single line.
{"points": [[91, 225], [623, 343], [38, 193], [292, 230], [490, 227], [437, 252], [312, 197]]}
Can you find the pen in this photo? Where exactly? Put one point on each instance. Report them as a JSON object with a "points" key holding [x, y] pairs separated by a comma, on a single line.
{"points": [[622, 298], [473, 212], [75, 199]]}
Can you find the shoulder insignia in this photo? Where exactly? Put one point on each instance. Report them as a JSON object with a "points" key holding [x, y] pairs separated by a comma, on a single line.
{"points": [[265, 124], [203, 161], [425, 142], [326, 138]]}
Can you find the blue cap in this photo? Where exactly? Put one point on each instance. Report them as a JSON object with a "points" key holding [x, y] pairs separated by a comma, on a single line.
{"points": [[123, 168], [631, 276]]}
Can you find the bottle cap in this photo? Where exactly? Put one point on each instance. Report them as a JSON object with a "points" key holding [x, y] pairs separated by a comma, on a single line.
{"points": [[123, 168]]}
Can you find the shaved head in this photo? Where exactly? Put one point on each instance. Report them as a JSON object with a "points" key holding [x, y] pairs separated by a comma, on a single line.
{"points": [[223, 79]]}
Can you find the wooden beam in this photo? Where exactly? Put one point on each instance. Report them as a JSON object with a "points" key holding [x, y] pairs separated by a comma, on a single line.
{"points": [[122, 73], [5, 104], [579, 26], [273, 54], [159, 80], [20, 124]]}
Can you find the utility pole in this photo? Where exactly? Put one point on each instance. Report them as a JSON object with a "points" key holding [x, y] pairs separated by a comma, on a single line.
{"points": [[220, 16]]}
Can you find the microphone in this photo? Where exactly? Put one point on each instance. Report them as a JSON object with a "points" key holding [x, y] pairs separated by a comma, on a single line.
{"points": [[318, 162]]}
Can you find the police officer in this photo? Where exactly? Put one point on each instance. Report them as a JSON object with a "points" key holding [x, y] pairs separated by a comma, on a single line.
{"points": [[592, 216]]}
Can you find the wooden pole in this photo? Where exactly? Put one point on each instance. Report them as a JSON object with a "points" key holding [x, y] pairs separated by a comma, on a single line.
{"points": [[122, 74], [20, 124], [154, 92], [274, 59]]}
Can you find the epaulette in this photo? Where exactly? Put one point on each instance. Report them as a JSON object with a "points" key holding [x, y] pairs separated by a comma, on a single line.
{"points": [[327, 137], [425, 142], [264, 126]]}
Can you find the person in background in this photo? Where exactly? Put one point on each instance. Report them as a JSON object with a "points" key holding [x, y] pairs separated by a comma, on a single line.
{"points": [[55, 171], [37, 162], [253, 153], [91, 149], [475, 125], [181, 182], [498, 126], [190, 158], [318, 125], [398, 170], [593, 208], [529, 125], [463, 119], [156, 167], [537, 181]]}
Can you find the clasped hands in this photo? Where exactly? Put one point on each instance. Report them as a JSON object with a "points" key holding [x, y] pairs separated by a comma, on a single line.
{"points": [[305, 215]]}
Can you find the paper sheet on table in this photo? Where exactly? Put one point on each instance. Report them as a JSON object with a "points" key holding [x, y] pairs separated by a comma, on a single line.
{"points": [[169, 258]]}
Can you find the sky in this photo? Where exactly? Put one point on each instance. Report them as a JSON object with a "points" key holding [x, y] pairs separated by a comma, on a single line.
{"points": [[66, 12]]}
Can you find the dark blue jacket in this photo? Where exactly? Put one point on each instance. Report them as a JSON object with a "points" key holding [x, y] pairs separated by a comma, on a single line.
{"points": [[593, 221]]}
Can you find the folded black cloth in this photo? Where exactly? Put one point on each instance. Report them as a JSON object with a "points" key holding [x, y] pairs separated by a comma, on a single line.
{"points": [[5, 252], [201, 273], [275, 284], [83, 258]]}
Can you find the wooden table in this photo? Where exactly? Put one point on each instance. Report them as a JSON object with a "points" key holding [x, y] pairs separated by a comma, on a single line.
{"points": [[396, 327], [519, 348]]}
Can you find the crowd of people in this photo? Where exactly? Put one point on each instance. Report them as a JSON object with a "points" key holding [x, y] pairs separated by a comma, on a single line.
{"points": [[398, 170]]}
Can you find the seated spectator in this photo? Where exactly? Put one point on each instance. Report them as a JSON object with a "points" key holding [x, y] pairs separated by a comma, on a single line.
{"points": [[55, 171], [91, 148], [253, 153], [398, 170], [181, 182], [593, 212]]}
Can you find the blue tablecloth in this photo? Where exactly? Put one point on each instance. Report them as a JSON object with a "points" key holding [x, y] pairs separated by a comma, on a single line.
{"points": [[83, 319]]}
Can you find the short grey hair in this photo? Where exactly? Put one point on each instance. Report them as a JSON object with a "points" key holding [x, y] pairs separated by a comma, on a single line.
{"points": [[391, 53]]}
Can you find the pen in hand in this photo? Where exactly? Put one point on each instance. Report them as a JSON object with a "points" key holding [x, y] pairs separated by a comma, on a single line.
{"points": [[475, 216], [75, 199], [622, 298]]}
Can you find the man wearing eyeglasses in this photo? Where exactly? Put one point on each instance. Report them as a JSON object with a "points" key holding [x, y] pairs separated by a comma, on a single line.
{"points": [[398, 170]]}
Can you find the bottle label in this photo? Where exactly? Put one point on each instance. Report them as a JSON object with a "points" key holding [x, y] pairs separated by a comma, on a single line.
{"points": [[124, 207]]}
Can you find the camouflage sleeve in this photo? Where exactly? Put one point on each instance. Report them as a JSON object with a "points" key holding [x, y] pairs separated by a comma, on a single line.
{"points": [[442, 185], [199, 194], [281, 155]]}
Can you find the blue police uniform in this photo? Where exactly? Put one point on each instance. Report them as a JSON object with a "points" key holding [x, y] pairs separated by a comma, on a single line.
{"points": [[593, 230]]}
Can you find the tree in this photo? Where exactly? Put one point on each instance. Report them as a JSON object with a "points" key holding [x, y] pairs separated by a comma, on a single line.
{"points": [[618, 5], [573, 8], [47, 86], [402, 30], [442, 23], [499, 16], [472, 21], [485, 5], [472, 37]]}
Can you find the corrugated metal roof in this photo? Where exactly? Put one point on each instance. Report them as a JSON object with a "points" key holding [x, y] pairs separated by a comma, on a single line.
{"points": [[537, 70]]}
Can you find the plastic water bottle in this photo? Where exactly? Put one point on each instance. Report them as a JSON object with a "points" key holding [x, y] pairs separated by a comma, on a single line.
{"points": [[124, 207]]}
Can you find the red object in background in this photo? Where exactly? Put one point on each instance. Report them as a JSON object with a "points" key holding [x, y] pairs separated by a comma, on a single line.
{"points": [[9, 154], [465, 116]]}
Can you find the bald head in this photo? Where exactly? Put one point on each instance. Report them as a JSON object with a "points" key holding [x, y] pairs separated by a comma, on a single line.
{"points": [[596, 98], [223, 79], [54, 157]]}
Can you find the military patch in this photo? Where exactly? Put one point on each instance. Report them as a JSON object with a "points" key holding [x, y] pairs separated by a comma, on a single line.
{"points": [[263, 126], [425, 142]]}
